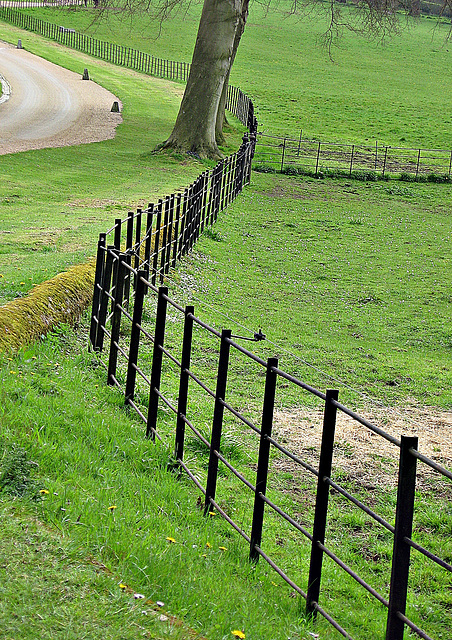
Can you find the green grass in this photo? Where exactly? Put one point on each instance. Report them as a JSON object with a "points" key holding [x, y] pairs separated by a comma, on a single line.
{"points": [[347, 276], [97, 481], [47, 228], [393, 93], [65, 594]]}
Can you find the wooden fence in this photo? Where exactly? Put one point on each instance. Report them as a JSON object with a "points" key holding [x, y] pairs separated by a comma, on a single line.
{"points": [[320, 158]]}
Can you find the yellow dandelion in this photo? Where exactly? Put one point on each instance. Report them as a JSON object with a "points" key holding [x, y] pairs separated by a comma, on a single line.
{"points": [[170, 539], [112, 507], [237, 633], [1, 275], [222, 548], [204, 555], [212, 513], [43, 492], [21, 282], [208, 545], [122, 586]]}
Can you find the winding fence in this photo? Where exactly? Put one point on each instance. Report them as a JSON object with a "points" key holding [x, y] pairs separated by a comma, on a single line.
{"points": [[282, 153], [128, 269], [144, 381]]}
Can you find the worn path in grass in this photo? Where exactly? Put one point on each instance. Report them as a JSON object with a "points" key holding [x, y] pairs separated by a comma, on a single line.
{"points": [[50, 106]]}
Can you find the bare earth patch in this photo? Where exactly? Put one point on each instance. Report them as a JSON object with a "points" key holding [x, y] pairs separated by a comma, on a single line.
{"points": [[362, 455]]}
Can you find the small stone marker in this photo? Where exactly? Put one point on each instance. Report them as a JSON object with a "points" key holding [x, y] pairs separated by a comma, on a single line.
{"points": [[115, 107], [85, 75], [19, 44]]}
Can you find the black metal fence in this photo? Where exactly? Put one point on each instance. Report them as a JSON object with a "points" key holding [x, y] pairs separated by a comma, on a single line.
{"points": [[127, 271], [121, 334], [317, 157], [114, 53]]}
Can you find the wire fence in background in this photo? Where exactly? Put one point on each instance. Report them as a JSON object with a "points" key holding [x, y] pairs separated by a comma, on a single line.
{"points": [[290, 155], [275, 153]]}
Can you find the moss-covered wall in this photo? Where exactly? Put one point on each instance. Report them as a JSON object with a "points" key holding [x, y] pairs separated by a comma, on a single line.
{"points": [[60, 299]]}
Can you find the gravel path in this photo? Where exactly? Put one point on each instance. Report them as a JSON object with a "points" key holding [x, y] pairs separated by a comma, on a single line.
{"points": [[49, 106]]}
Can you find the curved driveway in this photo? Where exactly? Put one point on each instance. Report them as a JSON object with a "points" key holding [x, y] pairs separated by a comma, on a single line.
{"points": [[49, 106]]}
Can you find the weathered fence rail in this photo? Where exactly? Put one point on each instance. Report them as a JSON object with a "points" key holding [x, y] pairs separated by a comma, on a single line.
{"points": [[318, 157]]}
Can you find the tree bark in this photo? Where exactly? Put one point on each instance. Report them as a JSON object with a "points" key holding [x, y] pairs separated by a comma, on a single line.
{"points": [[194, 131], [221, 115]]}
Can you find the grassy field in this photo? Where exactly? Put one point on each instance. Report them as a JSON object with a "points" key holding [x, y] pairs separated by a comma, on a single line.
{"points": [[73, 456], [45, 230], [347, 279], [391, 92]]}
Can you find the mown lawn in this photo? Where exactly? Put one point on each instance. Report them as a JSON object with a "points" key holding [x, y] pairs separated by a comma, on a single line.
{"points": [[348, 281]]}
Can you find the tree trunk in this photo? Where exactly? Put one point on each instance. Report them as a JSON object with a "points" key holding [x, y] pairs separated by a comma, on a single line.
{"points": [[194, 131], [221, 116]]}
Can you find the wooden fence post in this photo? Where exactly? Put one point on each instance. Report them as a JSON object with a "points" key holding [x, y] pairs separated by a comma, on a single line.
{"points": [[351, 160], [283, 154], [318, 160], [418, 163]]}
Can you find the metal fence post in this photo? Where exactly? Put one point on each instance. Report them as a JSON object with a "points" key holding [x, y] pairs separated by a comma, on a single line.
{"points": [[217, 423], [128, 258], [176, 230], [117, 240], [137, 249], [157, 241], [164, 239], [120, 273], [100, 266], [157, 357], [321, 503], [140, 289], [264, 455], [103, 303], [183, 383], [403, 529]]}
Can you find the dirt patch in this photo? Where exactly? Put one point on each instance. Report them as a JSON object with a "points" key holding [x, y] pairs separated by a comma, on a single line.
{"points": [[361, 455]]}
